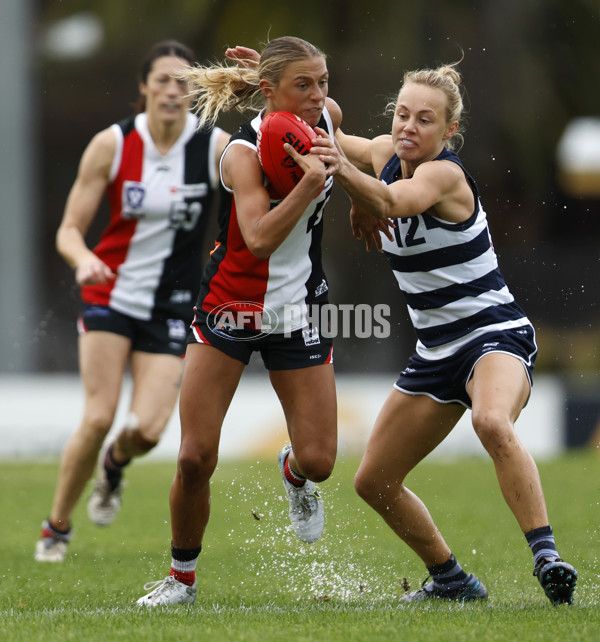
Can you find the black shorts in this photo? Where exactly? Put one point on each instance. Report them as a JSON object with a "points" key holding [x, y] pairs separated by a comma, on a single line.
{"points": [[158, 336], [445, 380], [299, 349]]}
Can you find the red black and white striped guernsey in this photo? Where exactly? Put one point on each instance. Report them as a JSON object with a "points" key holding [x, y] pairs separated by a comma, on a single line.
{"points": [[158, 213], [292, 276]]}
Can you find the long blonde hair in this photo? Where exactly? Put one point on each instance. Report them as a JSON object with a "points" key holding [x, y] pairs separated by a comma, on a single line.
{"points": [[448, 79], [220, 87]]}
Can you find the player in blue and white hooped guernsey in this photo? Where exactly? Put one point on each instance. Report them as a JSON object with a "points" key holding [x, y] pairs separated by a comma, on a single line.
{"points": [[475, 346]]}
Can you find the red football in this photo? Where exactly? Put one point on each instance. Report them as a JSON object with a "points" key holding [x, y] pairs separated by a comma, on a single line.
{"points": [[277, 128]]}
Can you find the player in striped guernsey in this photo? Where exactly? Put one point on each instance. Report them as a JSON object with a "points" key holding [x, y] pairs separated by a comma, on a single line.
{"points": [[138, 284], [268, 256], [475, 346]]}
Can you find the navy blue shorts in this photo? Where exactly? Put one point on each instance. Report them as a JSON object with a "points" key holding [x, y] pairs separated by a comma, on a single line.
{"points": [[299, 349], [158, 336], [445, 380]]}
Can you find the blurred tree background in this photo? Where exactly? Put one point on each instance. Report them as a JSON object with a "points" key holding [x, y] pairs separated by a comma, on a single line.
{"points": [[529, 68]]}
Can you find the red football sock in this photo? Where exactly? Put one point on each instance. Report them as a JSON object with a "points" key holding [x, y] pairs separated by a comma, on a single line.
{"points": [[185, 577], [293, 477]]}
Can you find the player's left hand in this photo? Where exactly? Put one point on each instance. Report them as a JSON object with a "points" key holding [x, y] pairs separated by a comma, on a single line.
{"points": [[368, 227], [243, 56]]}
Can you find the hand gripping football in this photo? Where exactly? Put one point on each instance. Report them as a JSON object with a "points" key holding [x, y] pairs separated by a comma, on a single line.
{"points": [[281, 170]]}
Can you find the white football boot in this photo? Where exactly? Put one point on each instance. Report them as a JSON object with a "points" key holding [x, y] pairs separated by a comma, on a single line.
{"points": [[52, 546], [104, 502], [307, 513], [168, 591]]}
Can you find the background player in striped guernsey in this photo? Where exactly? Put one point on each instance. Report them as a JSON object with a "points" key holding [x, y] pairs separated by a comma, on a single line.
{"points": [[475, 346], [268, 255], [138, 284]]}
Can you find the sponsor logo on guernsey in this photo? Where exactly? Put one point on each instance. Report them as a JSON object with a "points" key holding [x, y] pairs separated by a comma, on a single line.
{"points": [[191, 190]]}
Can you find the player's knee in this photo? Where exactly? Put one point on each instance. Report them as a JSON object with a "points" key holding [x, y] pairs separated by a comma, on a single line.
{"points": [[319, 473], [96, 425], [365, 486], [495, 431], [142, 443], [375, 489], [196, 466], [137, 437]]}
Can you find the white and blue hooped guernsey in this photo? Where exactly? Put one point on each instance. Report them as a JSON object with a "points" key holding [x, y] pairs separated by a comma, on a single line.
{"points": [[449, 275]]}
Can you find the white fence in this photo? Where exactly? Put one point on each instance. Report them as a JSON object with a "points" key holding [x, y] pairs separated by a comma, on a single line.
{"points": [[37, 414]]}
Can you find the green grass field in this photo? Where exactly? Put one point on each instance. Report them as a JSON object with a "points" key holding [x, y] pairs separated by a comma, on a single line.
{"points": [[256, 581]]}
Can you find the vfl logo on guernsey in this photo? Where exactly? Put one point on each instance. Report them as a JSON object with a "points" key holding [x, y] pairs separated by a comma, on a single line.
{"points": [[133, 199], [242, 320]]}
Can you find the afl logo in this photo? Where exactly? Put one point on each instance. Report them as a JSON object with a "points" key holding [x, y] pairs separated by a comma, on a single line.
{"points": [[242, 320]]}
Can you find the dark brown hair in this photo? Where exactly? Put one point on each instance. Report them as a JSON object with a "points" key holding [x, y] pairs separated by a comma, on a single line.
{"points": [[159, 50]]}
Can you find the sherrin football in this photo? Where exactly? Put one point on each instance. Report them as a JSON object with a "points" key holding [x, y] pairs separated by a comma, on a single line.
{"points": [[281, 170]]}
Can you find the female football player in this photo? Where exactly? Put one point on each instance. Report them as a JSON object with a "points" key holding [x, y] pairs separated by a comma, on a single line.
{"points": [[266, 260], [476, 347], [138, 284]]}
